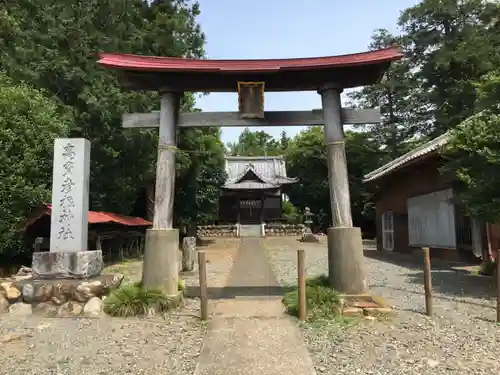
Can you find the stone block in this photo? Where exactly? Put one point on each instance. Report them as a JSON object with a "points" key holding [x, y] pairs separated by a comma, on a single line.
{"points": [[352, 311], [375, 311], [59, 291], [67, 265], [188, 253]]}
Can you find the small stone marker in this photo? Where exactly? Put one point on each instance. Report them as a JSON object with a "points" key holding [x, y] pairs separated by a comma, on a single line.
{"points": [[188, 253], [70, 195], [68, 256]]}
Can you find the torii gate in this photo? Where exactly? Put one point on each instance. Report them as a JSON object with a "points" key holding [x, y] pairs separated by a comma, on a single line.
{"points": [[171, 77]]}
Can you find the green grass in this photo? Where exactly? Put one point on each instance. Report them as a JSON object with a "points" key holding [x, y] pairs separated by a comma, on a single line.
{"points": [[132, 300], [322, 302], [487, 268]]}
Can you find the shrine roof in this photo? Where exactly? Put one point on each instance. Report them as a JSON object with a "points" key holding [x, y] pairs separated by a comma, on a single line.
{"points": [[429, 148], [269, 172], [154, 72]]}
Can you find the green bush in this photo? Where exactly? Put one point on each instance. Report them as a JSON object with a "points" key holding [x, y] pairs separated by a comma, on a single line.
{"points": [[321, 300], [132, 300], [29, 123]]}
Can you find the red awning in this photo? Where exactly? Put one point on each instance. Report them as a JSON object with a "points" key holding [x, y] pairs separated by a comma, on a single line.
{"points": [[96, 218]]}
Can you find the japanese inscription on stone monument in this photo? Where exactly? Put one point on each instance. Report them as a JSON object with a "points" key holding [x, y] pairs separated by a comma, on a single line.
{"points": [[70, 190]]}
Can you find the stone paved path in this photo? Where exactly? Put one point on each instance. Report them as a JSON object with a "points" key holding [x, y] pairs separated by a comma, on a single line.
{"points": [[248, 332]]}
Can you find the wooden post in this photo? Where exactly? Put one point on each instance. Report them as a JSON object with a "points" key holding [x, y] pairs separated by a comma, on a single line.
{"points": [[165, 165], [346, 269], [302, 284], [427, 281], [498, 286], [202, 269], [338, 180]]}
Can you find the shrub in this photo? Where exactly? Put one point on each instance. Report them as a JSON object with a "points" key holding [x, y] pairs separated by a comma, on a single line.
{"points": [[321, 300], [132, 300], [29, 123]]}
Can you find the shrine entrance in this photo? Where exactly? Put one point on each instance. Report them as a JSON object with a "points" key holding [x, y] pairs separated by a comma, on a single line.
{"points": [[250, 211], [171, 77]]}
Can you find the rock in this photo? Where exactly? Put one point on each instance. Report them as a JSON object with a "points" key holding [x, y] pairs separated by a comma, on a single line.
{"points": [[69, 309], [23, 271], [20, 308], [21, 277], [43, 293], [28, 292], [87, 290], [10, 292], [63, 292], [93, 307], [45, 309], [56, 301], [4, 304], [309, 237]]}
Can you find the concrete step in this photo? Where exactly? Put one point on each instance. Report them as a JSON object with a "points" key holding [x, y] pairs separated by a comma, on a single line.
{"points": [[250, 230]]}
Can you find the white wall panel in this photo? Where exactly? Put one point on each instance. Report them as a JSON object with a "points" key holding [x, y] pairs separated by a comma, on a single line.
{"points": [[431, 220]]}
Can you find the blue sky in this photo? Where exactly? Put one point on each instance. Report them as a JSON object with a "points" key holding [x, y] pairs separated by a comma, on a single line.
{"points": [[252, 29]]}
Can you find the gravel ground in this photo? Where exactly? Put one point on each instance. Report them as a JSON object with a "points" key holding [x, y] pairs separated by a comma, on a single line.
{"points": [[460, 339], [44, 346], [113, 346]]}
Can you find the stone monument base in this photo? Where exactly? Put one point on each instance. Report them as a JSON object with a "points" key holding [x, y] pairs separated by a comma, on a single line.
{"points": [[66, 264], [346, 263], [57, 297]]}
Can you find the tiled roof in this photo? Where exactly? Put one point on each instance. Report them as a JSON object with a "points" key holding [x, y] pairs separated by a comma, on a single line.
{"points": [[176, 64], [270, 170], [425, 149], [95, 217]]}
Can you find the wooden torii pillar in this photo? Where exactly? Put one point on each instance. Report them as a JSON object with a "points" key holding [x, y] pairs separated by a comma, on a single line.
{"points": [[327, 75]]}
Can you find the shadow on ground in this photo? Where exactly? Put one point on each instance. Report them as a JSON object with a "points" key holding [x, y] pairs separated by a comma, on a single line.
{"points": [[239, 291], [447, 277]]}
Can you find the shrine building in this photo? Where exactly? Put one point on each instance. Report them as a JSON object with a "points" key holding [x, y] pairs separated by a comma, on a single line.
{"points": [[253, 192]]}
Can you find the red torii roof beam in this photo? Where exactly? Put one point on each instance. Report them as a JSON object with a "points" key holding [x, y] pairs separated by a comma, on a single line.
{"points": [[300, 74]]}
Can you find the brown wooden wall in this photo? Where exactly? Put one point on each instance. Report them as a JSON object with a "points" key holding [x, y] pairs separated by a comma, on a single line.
{"points": [[416, 179]]}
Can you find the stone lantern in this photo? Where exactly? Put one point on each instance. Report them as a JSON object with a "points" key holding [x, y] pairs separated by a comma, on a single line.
{"points": [[308, 219]]}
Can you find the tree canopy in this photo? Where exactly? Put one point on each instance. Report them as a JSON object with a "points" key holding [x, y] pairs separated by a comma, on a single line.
{"points": [[53, 46], [29, 123], [473, 151]]}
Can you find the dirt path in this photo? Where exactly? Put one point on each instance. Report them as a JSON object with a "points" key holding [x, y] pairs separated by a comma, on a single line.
{"points": [[249, 334]]}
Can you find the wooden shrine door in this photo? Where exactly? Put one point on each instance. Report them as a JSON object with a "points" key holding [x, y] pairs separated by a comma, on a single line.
{"points": [[250, 211]]}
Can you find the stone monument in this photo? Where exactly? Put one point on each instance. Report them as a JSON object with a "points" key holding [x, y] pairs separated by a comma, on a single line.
{"points": [[68, 256]]}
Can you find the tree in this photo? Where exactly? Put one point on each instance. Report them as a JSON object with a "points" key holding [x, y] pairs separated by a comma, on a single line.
{"points": [[53, 45], [199, 183], [306, 159], [473, 153], [29, 123], [451, 44], [284, 140], [402, 106], [257, 143]]}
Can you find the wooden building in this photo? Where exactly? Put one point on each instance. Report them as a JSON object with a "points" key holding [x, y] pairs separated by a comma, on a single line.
{"points": [[252, 193], [414, 209]]}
